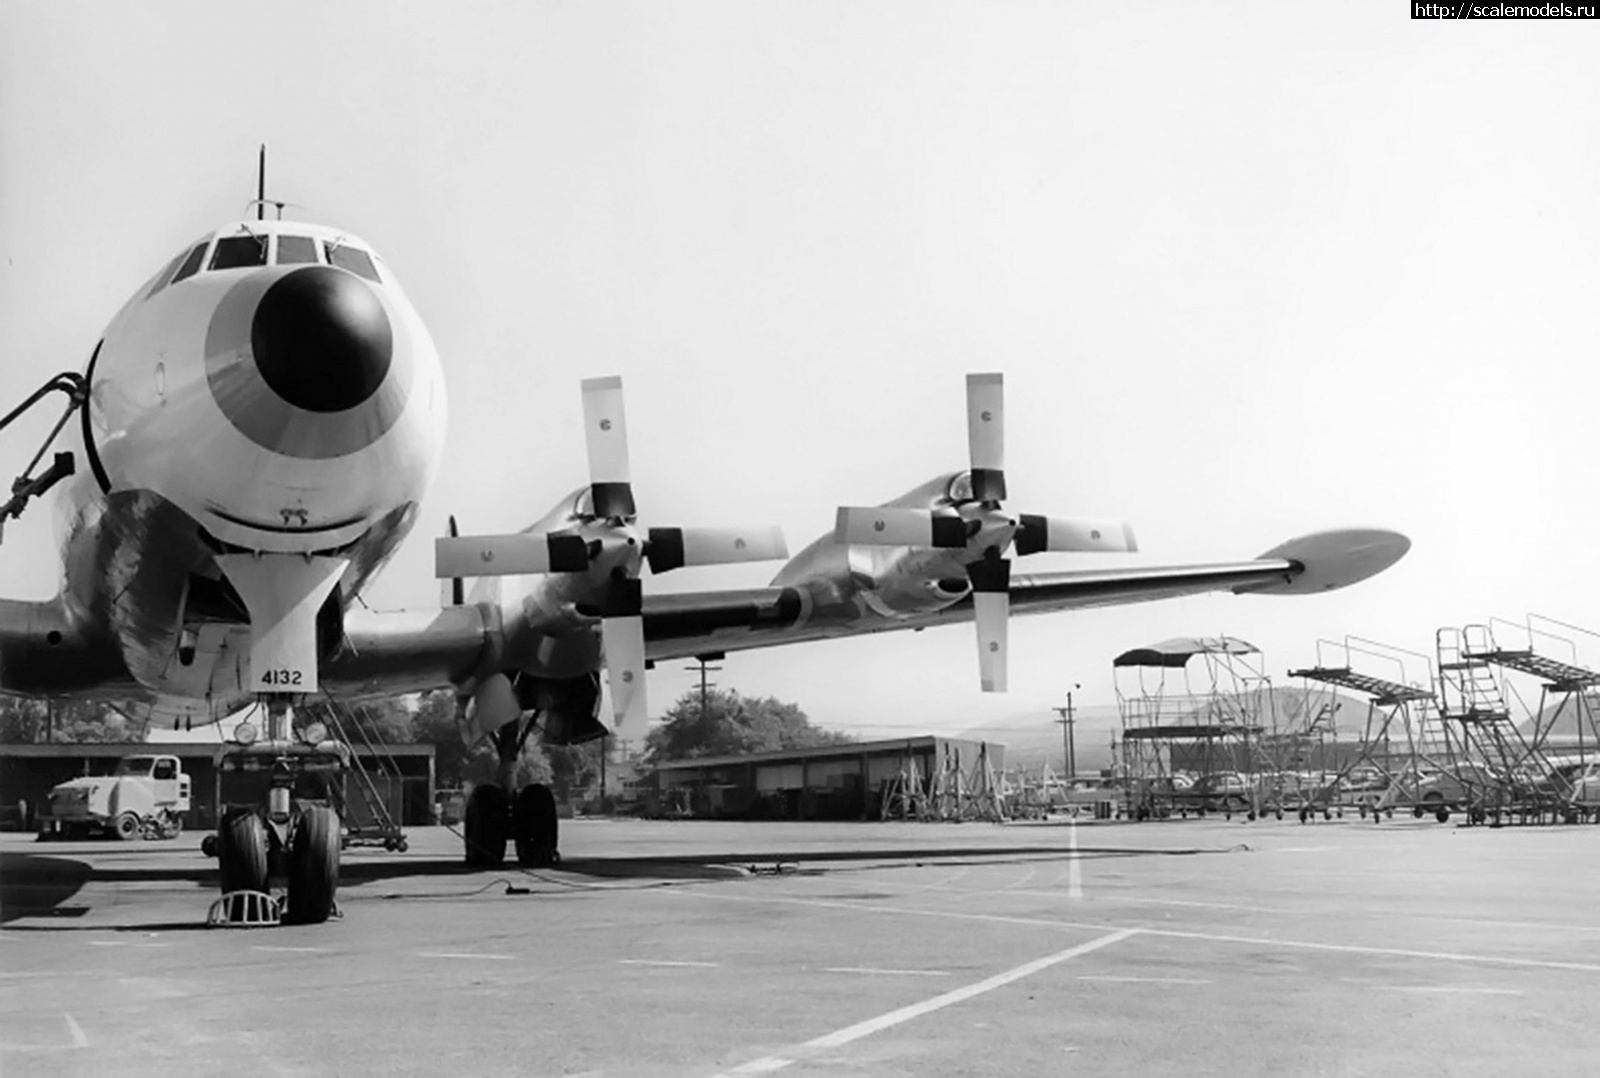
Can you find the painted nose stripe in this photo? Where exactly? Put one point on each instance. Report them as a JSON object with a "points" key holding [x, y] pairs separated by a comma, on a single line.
{"points": [[304, 367]]}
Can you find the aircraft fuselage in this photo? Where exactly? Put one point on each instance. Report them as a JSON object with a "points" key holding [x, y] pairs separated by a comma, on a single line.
{"points": [[272, 392]]}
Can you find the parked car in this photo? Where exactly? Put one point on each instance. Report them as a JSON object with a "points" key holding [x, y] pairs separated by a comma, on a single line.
{"points": [[1574, 783]]}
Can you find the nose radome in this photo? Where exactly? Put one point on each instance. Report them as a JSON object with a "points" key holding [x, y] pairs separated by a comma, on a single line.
{"points": [[321, 339]]}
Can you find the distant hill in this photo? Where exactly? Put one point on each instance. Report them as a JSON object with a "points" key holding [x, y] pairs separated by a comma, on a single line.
{"points": [[1568, 719], [1032, 739]]}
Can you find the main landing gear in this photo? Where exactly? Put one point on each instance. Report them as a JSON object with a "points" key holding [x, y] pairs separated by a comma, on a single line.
{"points": [[493, 817]]}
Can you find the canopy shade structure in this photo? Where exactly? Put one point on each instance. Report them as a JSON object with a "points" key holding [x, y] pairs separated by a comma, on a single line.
{"points": [[1179, 650]]}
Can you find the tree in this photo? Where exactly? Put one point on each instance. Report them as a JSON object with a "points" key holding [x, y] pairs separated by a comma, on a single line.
{"points": [[383, 722], [456, 763], [574, 768], [24, 720], [733, 725]]}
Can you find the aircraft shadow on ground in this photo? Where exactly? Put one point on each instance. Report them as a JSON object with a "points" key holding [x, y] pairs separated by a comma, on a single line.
{"points": [[43, 885]]}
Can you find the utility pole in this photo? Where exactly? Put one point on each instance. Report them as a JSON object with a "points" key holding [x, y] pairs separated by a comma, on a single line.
{"points": [[1068, 746], [705, 667]]}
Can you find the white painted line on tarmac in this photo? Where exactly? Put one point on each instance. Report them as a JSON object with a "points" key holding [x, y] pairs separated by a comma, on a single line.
{"points": [[1200, 905], [292, 950], [841, 1037], [1170, 933], [889, 972], [1450, 989], [465, 954], [664, 962], [1396, 952], [1074, 865], [1145, 980], [79, 1038], [123, 943]]}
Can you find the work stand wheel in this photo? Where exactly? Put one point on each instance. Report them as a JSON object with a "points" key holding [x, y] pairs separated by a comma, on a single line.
{"points": [[486, 822], [534, 827], [242, 852], [313, 866]]}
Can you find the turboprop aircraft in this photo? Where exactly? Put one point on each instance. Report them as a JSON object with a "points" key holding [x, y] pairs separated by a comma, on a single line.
{"points": [[256, 428]]}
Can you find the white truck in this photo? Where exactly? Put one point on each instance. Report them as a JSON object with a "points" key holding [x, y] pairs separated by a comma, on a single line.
{"points": [[145, 797]]}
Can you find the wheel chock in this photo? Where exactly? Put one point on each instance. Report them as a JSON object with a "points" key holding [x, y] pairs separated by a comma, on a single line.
{"points": [[245, 909]]}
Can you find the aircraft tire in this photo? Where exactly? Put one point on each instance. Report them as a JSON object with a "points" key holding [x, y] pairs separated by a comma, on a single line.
{"points": [[127, 828], [313, 866], [242, 852], [485, 825], [535, 827]]}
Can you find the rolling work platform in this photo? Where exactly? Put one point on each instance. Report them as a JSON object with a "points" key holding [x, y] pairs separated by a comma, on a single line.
{"points": [[1401, 738], [1498, 774], [374, 823], [1187, 747], [1553, 772]]}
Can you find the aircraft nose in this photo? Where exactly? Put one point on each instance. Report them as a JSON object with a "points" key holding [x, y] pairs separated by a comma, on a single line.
{"points": [[321, 339]]}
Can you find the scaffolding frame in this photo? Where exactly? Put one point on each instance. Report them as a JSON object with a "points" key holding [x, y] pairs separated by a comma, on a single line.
{"points": [[1376, 779], [1216, 733]]}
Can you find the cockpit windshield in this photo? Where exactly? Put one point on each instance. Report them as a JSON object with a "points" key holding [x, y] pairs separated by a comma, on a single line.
{"points": [[296, 249], [234, 252], [353, 259], [245, 249]]}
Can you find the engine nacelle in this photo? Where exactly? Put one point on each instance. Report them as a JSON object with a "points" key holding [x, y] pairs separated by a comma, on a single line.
{"points": [[902, 583]]}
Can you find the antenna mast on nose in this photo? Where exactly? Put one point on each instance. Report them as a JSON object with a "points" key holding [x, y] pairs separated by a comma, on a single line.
{"points": [[261, 185]]}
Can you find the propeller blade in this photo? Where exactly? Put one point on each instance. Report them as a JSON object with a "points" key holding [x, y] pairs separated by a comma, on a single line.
{"points": [[895, 526], [672, 548], [986, 435], [606, 435], [509, 555], [452, 590], [622, 635], [1036, 533], [991, 604], [993, 615]]}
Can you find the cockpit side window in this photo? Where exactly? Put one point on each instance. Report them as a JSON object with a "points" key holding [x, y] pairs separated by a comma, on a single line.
{"points": [[191, 263], [236, 251], [159, 281], [353, 259], [295, 249]]}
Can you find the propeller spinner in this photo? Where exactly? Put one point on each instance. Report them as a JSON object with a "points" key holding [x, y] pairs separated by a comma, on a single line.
{"points": [[972, 521], [606, 540]]}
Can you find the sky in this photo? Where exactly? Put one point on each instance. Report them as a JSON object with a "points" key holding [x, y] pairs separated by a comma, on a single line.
{"points": [[1250, 270]]}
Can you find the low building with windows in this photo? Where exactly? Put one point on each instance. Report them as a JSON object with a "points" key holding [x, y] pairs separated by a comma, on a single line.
{"points": [[831, 782]]}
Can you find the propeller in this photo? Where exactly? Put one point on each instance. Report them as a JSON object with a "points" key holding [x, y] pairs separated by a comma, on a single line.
{"points": [[969, 518], [604, 540]]}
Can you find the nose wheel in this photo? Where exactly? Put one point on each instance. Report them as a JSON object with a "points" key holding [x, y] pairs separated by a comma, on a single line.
{"points": [[248, 853], [242, 852], [313, 866]]}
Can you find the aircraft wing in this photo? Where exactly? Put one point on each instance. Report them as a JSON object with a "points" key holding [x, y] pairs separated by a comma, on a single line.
{"points": [[708, 622]]}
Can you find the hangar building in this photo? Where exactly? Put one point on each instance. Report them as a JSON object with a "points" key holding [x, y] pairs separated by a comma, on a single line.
{"points": [[830, 782]]}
